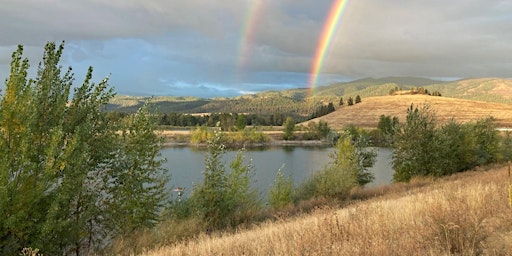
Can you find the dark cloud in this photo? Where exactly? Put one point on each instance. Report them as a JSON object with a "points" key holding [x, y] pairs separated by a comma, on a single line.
{"points": [[196, 43]]}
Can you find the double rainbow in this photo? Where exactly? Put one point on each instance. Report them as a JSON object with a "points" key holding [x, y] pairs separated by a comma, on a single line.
{"points": [[249, 25], [330, 26]]}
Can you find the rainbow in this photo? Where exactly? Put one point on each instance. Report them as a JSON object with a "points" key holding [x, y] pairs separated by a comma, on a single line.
{"points": [[251, 18], [330, 26]]}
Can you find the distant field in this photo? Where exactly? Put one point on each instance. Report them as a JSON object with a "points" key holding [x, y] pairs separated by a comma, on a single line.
{"points": [[367, 113]]}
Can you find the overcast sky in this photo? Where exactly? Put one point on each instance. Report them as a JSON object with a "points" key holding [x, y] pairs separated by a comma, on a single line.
{"points": [[193, 47]]}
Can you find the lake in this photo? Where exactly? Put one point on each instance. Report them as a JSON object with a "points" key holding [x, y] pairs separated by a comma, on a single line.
{"points": [[186, 164]]}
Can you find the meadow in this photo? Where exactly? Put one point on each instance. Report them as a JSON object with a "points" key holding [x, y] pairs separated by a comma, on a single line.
{"points": [[463, 214], [366, 114]]}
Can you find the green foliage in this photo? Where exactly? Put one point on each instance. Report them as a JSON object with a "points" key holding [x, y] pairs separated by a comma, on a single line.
{"points": [[241, 122], [350, 101], [289, 128], [506, 146], [224, 199], [416, 144], [349, 168], [137, 191], [243, 199], [424, 149], [316, 131], [280, 193], [387, 127], [58, 157], [201, 134], [247, 135], [358, 99]]}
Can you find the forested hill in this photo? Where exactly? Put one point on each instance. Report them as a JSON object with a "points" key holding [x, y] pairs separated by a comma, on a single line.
{"points": [[299, 102]]}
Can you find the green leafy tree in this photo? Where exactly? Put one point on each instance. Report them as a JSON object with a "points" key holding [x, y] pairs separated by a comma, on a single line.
{"points": [[341, 103], [241, 122], [223, 199], [137, 189], [57, 153], [289, 128], [387, 127], [416, 145]]}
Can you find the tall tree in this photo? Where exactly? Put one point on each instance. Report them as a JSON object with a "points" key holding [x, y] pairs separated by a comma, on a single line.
{"points": [[58, 153], [289, 127], [416, 144]]}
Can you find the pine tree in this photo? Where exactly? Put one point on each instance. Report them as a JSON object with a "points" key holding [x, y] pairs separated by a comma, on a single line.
{"points": [[358, 99]]}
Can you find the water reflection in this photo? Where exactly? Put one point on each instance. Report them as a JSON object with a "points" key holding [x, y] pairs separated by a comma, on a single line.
{"points": [[186, 164]]}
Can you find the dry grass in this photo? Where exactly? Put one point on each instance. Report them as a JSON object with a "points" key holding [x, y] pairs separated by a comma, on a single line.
{"points": [[367, 113], [466, 214]]}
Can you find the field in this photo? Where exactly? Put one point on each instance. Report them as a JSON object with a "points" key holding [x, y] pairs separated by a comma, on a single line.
{"points": [[465, 214], [367, 113]]}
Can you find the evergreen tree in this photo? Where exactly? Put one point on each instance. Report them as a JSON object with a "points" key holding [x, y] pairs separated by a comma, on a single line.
{"points": [[341, 101], [350, 101], [358, 99]]}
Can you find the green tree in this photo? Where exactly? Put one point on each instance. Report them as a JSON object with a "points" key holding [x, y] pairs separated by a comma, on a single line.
{"points": [[137, 193], [387, 127], [241, 122], [358, 99], [350, 101], [289, 128], [242, 198], [57, 152], [341, 101], [416, 144], [224, 199]]}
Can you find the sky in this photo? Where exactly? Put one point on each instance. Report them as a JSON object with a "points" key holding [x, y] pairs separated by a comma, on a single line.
{"points": [[214, 48]]}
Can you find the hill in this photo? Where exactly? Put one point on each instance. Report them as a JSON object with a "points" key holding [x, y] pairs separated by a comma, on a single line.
{"points": [[367, 113], [298, 103], [481, 89]]}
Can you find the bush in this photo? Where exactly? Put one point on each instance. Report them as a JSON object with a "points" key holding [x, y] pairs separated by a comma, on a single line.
{"points": [[348, 169], [280, 194]]}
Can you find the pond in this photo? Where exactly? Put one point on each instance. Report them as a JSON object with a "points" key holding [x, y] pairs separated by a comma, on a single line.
{"points": [[186, 164]]}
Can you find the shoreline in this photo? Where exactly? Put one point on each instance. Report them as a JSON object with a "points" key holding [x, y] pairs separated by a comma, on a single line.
{"points": [[273, 143]]}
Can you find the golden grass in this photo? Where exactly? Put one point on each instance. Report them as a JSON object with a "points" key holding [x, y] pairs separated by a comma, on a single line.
{"points": [[466, 214], [367, 113]]}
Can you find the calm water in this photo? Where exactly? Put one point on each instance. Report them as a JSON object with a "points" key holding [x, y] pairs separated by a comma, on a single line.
{"points": [[186, 164]]}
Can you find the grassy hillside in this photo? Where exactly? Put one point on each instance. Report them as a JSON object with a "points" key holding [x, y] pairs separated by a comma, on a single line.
{"points": [[482, 89], [466, 214], [367, 113], [299, 102]]}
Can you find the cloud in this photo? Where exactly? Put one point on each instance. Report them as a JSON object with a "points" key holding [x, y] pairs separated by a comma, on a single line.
{"points": [[197, 42]]}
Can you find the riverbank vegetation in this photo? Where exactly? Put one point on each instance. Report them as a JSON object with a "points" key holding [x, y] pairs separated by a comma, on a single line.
{"points": [[464, 214]]}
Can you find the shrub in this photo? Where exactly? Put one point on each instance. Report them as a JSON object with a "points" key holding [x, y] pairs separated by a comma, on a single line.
{"points": [[280, 194]]}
